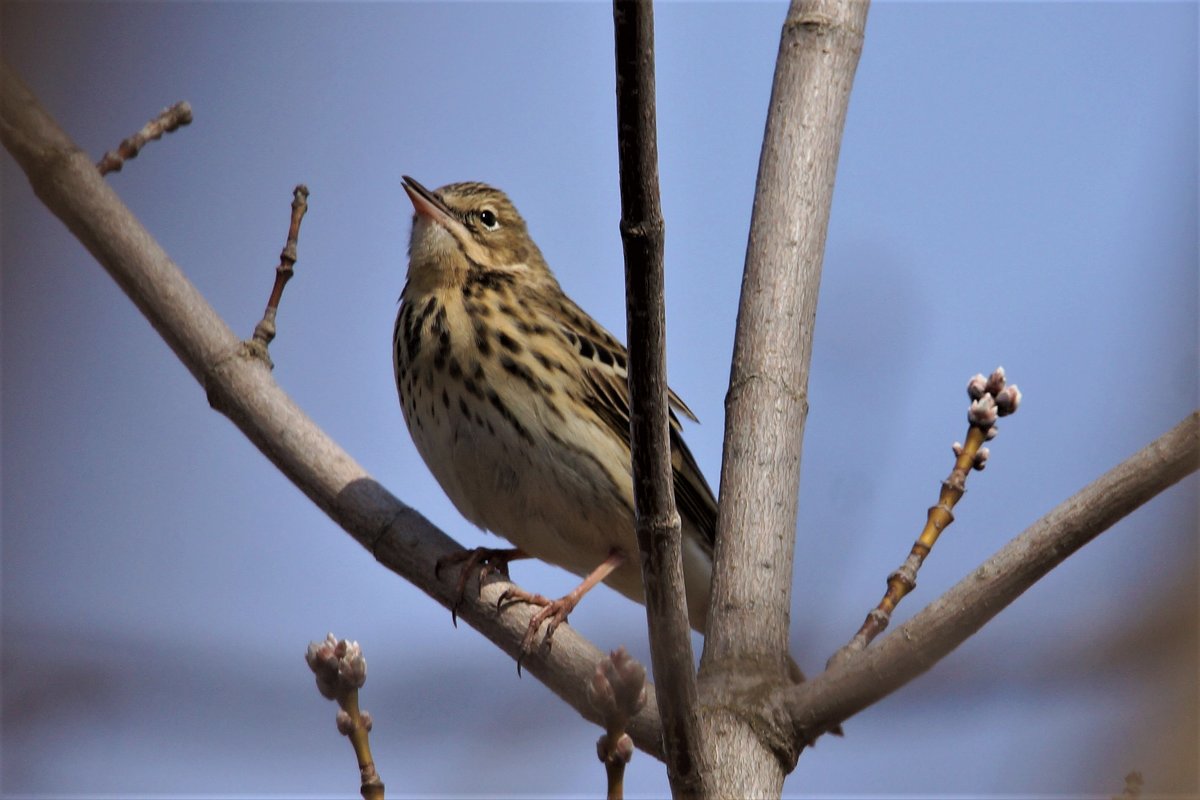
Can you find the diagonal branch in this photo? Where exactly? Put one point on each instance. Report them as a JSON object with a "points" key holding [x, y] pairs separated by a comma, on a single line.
{"points": [[658, 523], [950, 620], [240, 386]]}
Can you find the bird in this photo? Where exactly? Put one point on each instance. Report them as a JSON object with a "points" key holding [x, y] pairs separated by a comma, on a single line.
{"points": [[517, 401]]}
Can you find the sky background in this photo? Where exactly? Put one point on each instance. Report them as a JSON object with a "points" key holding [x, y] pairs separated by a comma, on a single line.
{"points": [[1018, 186]]}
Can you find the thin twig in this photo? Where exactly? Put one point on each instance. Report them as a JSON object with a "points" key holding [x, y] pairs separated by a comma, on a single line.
{"points": [[658, 523], [341, 671], [168, 120], [264, 331], [944, 624], [990, 399]]}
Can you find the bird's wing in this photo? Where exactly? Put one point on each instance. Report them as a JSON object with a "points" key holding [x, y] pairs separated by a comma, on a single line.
{"points": [[604, 363]]}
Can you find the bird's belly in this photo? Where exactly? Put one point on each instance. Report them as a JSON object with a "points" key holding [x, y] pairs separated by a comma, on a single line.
{"points": [[551, 502], [556, 501], [555, 484]]}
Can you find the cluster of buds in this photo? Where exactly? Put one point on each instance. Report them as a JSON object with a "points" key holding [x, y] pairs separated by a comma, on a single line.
{"points": [[339, 666], [991, 399], [618, 692], [341, 670]]}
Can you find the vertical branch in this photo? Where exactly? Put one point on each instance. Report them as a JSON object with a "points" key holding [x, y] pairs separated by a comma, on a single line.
{"points": [[767, 403], [658, 524]]}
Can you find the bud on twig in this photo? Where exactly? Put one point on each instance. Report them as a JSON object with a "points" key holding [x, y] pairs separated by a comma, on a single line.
{"points": [[338, 665]]}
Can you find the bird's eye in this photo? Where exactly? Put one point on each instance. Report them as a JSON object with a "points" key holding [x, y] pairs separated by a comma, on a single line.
{"points": [[488, 218]]}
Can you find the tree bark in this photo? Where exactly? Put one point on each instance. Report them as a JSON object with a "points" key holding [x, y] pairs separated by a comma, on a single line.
{"points": [[767, 401], [658, 523]]}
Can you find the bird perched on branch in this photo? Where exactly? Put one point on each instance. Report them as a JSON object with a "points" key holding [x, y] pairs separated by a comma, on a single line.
{"points": [[518, 403]]}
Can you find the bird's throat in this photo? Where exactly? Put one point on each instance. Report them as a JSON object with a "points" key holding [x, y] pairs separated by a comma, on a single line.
{"points": [[436, 258]]}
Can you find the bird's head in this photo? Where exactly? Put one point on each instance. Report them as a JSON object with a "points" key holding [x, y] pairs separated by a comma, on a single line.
{"points": [[463, 227]]}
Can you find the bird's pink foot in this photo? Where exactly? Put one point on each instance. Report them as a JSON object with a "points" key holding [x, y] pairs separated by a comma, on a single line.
{"points": [[552, 612]]}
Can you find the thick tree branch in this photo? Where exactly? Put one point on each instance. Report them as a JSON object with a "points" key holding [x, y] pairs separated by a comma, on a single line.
{"points": [[658, 523], [955, 616], [767, 401], [767, 404], [241, 387]]}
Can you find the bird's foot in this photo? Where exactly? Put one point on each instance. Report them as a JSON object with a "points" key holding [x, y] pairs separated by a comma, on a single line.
{"points": [[482, 561], [552, 612]]}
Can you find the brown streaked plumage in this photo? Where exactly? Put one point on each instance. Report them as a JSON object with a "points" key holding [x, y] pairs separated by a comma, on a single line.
{"points": [[517, 401]]}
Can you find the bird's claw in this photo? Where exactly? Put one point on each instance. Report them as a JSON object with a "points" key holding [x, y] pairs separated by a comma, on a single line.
{"points": [[487, 561], [483, 561], [552, 612]]}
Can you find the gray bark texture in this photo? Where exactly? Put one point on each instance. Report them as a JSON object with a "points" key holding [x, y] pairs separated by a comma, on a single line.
{"points": [[767, 404], [658, 524]]}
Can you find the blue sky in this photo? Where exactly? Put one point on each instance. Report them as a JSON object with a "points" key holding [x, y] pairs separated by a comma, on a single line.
{"points": [[1018, 186]]}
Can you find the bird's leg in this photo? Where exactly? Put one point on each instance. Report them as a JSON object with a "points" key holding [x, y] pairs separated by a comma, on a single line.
{"points": [[483, 561], [556, 611]]}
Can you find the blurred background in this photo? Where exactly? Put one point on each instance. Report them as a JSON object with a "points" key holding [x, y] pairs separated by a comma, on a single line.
{"points": [[1018, 186]]}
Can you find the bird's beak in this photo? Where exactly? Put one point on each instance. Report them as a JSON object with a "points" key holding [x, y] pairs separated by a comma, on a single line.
{"points": [[428, 204]]}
